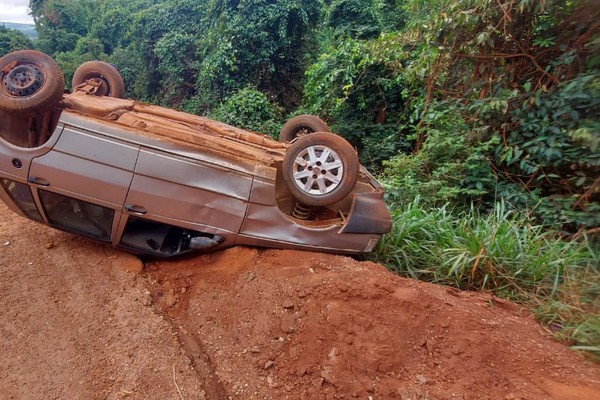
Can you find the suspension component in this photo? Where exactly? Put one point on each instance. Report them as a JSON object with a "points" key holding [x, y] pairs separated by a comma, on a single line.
{"points": [[301, 211]]}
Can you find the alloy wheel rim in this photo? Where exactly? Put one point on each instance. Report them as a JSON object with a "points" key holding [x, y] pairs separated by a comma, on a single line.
{"points": [[318, 170]]}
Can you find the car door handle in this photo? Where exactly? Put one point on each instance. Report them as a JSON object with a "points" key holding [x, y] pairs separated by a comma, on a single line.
{"points": [[38, 181], [135, 209]]}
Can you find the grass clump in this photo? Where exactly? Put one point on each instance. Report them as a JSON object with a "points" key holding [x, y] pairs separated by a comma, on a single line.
{"points": [[505, 253]]}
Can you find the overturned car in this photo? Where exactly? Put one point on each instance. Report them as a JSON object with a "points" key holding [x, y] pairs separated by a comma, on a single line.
{"points": [[157, 181]]}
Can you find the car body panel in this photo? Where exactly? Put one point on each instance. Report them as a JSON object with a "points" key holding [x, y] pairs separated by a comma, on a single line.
{"points": [[9, 153], [263, 192], [262, 225], [210, 178], [97, 149], [82, 178], [181, 202]]}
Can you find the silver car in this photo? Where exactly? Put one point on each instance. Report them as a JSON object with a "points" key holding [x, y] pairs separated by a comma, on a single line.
{"points": [[157, 181]]}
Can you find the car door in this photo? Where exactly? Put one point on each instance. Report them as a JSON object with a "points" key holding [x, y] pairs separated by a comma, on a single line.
{"points": [[82, 183], [171, 193], [15, 161]]}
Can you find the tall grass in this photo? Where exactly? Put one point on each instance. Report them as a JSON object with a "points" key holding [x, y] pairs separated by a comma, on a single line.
{"points": [[505, 253]]}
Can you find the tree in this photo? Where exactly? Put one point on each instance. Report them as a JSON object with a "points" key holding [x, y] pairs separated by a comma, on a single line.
{"points": [[521, 78], [360, 19], [12, 40], [61, 23], [157, 54], [259, 43]]}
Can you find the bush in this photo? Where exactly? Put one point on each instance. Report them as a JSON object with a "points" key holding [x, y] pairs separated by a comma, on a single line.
{"points": [[453, 164], [356, 84], [250, 109], [13, 40], [360, 19], [551, 153]]}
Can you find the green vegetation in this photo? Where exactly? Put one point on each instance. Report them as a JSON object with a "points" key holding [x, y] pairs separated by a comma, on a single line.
{"points": [[12, 40], [486, 112], [505, 253], [250, 109]]}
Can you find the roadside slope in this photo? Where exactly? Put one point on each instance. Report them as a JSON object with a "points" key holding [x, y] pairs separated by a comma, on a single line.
{"points": [[81, 320], [288, 324], [75, 325]]}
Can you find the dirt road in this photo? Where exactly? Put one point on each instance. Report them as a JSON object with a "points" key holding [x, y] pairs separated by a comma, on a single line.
{"points": [[79, 320]]}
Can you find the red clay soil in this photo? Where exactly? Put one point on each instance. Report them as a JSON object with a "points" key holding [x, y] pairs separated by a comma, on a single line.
{"points": [[79, 320]]}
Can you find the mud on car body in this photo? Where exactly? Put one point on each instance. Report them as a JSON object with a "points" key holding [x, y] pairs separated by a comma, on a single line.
{"points": [[153, 180]]}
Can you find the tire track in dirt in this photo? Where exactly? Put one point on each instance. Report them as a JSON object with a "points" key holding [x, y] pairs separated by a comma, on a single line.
{"points": [[164, 300]]}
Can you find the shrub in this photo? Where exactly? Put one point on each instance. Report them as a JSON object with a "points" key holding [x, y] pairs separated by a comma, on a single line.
{"points": [[250, 109]]}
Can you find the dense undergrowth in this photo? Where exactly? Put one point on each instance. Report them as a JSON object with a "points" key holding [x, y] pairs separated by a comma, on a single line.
{"points": [[481, 116]]}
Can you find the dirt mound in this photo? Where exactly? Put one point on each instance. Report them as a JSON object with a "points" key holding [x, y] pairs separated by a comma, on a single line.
{"points": [[287, 324], [82, 320]]}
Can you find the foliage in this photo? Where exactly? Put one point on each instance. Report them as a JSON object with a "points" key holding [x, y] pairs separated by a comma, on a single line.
{"points": [[86, 49], [179, 51], [447, 169], [250, 109], [116, 23], [175, 55], [61, 23], [525, 107], [356, 85], [543, 159], [158, 50], [552, 151], [256, 42], [359, 19], [13, 40], [574, 313], [364, 19], [393, 16], [499, 251]]}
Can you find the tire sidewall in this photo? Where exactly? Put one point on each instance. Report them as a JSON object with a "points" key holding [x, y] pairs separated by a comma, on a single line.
{"points": [[45, 97], [104, 71], [289, 131]]}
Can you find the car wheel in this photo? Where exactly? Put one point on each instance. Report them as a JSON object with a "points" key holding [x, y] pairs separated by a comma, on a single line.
{"points": [[30, 81], [300, 126], [320, 169], [110, 80]]}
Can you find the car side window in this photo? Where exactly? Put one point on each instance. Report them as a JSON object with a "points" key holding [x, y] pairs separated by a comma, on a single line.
{"points": [[77, 216], [21, 195]]}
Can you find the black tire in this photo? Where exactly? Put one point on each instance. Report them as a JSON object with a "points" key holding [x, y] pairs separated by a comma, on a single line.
{"points": [[332, 162], [300, 126], [30, 82], [111, 81]]}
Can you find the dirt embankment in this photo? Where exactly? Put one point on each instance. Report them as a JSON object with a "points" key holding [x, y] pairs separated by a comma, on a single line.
{"points": [[79, 320]]}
